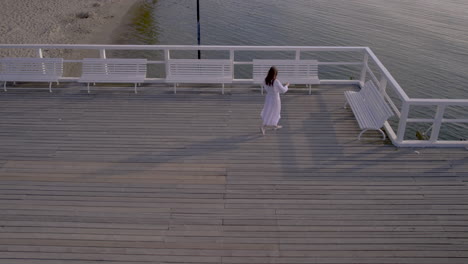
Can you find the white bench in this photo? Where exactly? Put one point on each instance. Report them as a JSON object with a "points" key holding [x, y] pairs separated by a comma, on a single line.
{"points": [[31, 70], [199, 71], [292, 71], [113, 71], [369, 108]]}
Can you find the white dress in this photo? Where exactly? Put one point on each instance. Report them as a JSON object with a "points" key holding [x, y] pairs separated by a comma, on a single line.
{"points": [[271, 112]]}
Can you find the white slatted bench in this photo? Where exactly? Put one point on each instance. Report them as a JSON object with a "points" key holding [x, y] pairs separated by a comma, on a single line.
{"points": [[199, 71], [292, 71], [113, 71], [31, 70], [369, 108]]}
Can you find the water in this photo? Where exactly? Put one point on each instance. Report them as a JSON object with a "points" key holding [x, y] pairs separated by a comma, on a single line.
{"points": [[423, 43]]}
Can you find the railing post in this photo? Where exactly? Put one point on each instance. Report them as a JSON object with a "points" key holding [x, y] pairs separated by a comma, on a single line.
{"points": [[43, 66], [383, 84], [39, 53], [437, 123], [402, 123], [102, 53], [364, 68], [232, 59], [167, 57]]}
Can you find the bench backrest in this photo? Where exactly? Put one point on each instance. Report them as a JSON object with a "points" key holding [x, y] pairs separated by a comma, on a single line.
{"points": [[381, 111], [288, 70], [115, 67], [31, 68], [199, 69]]}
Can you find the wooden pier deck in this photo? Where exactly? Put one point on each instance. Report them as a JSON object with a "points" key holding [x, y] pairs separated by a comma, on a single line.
{"points": [[153, 177]]}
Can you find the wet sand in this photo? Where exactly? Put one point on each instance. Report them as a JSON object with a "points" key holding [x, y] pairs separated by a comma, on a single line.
{"points": [[61, 22]]}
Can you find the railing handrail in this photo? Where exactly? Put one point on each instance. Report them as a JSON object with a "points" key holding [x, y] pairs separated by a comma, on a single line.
{"points": [[424, 101], [185, 47]]}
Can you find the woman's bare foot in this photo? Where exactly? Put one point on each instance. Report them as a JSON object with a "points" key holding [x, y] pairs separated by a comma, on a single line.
{"points": [[262, 129], [278, 127]]}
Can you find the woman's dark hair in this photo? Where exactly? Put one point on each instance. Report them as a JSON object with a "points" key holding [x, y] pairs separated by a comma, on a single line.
{"points": [[271, 76]]}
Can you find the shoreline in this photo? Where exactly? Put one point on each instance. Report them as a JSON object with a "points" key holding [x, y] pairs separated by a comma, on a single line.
{"points": [[63, 22], [116, 30]]}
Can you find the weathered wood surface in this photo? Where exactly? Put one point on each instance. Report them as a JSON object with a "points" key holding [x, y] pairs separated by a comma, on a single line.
{"points": [[115, 177]]}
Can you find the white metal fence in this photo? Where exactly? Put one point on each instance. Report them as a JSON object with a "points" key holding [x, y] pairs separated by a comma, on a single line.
{"points": [[401, 104]]}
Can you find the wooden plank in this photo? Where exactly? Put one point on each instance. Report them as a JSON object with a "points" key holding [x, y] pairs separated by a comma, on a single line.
{"points": [[153, 177]]}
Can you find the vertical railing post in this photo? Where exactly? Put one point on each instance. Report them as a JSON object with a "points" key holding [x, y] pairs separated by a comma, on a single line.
{"points": [[365, 65], [39, 53], [298, 57], [403, 120], [167, 57], [102, 53], [437, 123], [232, 59], [383, 83]]}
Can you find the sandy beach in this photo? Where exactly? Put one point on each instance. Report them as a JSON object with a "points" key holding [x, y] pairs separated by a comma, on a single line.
{"points": [[61, 22]]}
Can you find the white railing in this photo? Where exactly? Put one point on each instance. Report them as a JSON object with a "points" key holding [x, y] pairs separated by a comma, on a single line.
{"points": [[383, 78]]}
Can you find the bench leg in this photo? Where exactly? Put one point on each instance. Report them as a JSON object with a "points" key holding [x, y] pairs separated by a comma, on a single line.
{"points": [[360, 134], [50, 87], [222, 91], [88, 88], [310, 88], [380, 130], [175, 88], [136, 88], [4, 87], [383, 134]]}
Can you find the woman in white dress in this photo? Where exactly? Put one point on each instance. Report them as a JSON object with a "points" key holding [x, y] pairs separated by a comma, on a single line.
{"points": [[271, 112]]}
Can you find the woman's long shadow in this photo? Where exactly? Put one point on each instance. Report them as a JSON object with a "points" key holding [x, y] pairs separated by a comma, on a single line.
{"points": [[321, 118], [181, 153]]}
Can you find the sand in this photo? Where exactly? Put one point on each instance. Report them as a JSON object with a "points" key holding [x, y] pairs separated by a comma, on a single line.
{"points": [[61, 22]]}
